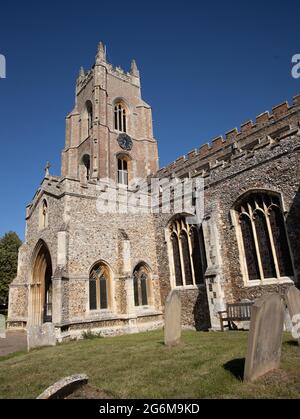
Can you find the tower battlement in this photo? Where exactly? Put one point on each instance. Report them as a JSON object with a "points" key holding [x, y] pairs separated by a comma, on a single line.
{"points": [[132, 76]]}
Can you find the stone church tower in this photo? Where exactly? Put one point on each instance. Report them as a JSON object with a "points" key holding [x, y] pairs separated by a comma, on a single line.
{"points": [[108, 110], [77, 265], [83, 267]]}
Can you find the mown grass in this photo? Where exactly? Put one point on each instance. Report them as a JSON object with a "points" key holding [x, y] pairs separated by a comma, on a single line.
{"points": [[205, 365]]}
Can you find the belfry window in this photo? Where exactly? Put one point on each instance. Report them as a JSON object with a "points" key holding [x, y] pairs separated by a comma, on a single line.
{"points": [[123, 171], [99, 287], [141, 283], [264, 243], [89, 108], [188, 253], [86, 166], [120, 122]]}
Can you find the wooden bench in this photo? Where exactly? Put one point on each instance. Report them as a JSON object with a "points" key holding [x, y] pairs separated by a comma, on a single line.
{"points": [[238, 312]]}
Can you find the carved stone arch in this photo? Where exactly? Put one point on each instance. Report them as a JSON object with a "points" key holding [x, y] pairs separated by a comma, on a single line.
{"points": [[240, 198], [123, 101]]}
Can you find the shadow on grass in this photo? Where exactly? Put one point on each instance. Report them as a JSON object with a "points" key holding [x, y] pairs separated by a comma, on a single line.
{"points": [[236, 368], [291, 343]]}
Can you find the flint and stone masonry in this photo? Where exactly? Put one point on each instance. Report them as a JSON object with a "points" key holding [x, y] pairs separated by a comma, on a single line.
{"points": [[83, 270]]}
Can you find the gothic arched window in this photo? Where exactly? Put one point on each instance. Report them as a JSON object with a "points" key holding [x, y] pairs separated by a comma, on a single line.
{"points": [[188, 253], [99, 284], [141, 284], [264, 239], [123, 171], [120, 121]]}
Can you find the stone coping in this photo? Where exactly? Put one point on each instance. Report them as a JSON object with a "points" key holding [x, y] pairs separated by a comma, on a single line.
{"points": [[64, 387]]}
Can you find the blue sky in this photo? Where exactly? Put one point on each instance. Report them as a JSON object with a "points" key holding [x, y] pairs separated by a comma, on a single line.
{"points": [[205, 67]]}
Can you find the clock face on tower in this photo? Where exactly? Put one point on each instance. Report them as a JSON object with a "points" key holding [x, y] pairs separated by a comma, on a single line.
{"points": [[125, 142]]}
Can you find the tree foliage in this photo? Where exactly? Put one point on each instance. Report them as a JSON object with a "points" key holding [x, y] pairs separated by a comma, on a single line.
{"points": [[9, 246]]}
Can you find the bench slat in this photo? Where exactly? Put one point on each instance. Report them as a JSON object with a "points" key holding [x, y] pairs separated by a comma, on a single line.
{"points": [[236, 312]]}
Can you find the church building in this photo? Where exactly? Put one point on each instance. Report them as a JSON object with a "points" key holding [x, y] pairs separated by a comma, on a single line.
{"points": [[84, 268]]}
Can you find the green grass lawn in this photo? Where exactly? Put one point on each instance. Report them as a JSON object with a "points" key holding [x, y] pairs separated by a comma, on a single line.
{"points": [[205, 365]]}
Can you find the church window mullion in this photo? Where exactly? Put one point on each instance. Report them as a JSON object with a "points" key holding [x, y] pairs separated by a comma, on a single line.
{"points": [[176, 259], [271, 241], [124, 120], [98, 292], [191, 255], [181, 259], [260, 266], [116, 117]]}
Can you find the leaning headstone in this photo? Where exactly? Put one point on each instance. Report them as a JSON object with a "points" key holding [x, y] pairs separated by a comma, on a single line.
{"points": [[39, 336], [64, 387], [173, 319], [2, 327], [293, 303], [265, 337]]}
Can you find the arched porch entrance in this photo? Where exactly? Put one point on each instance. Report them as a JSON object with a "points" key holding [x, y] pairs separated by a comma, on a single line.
{"points": [[41, 286]]}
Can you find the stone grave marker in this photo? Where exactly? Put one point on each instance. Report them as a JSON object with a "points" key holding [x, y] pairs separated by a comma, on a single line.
{"points": [[2, 327], [293, 303], [265, 337], [39, 336], [173, 319]]}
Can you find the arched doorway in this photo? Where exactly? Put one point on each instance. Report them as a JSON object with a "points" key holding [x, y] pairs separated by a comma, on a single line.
{"points": [[41, 286]]}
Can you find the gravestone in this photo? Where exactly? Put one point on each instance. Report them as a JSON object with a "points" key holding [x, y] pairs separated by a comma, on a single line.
{"points": [[293, 303], [39, 336], [265, 337], [173, 319], [64, 387], [2, 327]]}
